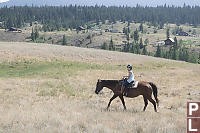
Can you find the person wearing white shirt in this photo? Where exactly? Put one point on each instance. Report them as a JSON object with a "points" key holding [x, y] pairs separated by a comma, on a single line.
{"points": [[130, 79]]}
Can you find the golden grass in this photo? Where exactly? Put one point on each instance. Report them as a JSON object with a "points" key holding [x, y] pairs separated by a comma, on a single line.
{"points": [[63, 103]]}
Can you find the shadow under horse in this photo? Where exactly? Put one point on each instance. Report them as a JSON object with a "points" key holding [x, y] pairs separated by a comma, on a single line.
{"points": [[144, 88]]}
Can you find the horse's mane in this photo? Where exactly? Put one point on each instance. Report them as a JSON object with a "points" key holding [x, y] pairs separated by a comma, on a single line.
{"points": [[111, 81]]}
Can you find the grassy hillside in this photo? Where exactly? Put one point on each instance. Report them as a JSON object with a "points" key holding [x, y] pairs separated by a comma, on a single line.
{"points": [[96, 35], [50, 88]]}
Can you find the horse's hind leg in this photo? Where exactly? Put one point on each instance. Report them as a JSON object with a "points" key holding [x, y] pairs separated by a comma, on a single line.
{"points": [[113, 97], [153, 102], [122, 99], [145, 102]]}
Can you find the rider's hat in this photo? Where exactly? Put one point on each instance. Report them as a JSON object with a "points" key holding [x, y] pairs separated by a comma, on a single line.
{"points": [[130, 67]]}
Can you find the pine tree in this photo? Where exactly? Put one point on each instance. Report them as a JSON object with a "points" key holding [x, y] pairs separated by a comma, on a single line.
{"points": [[175, 53], [167, 33], [144, 51], [193, 58], [64, 41], [186, 55], [128, 38], [181, 55], [138, 49], [105, 46], [199, 59], [128, 30], [111, 45], [129, 23], [175, 43], [36, 33], [158, 51], [9, 23], [141, 27], [146, 41], [141, 43], [161, 25], [194, 32], [32, 35], [136, 36], [125, 30]]}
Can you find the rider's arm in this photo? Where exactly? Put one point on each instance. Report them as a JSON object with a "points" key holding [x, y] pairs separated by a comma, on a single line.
{"points": [[129, 74], [125, 77]]}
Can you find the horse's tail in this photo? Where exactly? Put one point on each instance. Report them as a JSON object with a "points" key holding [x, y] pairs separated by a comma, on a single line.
{"points": [[155, 92]]}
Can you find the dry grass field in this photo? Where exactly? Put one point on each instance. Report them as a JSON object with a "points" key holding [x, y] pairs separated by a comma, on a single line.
{"points": [[50, 89]]}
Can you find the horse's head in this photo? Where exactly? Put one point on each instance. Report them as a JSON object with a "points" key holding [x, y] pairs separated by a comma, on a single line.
{"points": [[99, 86]]}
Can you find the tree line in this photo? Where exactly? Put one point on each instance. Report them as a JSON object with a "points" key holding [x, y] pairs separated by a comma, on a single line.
{"points": [[136, 45], [65, 17]]}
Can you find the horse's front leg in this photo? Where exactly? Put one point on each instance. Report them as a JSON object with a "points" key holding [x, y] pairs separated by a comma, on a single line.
{"points": [[123, 102], [113, 97]]}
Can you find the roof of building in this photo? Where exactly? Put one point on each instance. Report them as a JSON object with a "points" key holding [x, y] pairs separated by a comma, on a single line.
{"points": [[172, 40]]}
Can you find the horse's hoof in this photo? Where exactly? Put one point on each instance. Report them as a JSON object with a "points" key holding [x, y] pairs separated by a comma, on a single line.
{"points": [[156, 111], [107, 109]]}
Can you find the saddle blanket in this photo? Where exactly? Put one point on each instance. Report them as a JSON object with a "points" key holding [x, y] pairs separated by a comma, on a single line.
{"points": [[133, 85]]}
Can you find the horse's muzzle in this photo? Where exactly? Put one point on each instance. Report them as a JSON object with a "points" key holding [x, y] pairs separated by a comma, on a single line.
{"points": [[96, 92]]}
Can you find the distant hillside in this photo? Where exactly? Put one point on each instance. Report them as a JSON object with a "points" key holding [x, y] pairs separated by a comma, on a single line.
{"points": [[99, 2]]}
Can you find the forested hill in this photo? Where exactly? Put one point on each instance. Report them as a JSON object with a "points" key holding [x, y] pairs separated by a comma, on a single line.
{"points": [[131, 3], [66, 17]]}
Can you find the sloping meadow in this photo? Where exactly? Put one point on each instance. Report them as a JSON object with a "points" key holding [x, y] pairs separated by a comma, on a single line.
{"points": [[57, 95]]}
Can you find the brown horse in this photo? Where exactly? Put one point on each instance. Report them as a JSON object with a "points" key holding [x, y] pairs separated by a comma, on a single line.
{"points": [[144, 88]]}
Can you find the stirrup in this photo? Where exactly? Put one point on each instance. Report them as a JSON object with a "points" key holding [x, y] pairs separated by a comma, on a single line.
{"points": [[125, 94]]}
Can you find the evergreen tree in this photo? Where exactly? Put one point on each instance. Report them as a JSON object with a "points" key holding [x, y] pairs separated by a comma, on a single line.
{"points": [[125, 30], [129, 23], [36, 33], [161, 25], [199, 59], [128, 30], [175, 54], [194, 32], [146, 41], [141, 43], [158, 52], [175, 43], [193, 58], [111, 45], [141, 28], [136, 36], [105, 46], [167, 33], [64, 40], [9, 23], [128, 38], [32, 35], [144, 51], [138, 49], [181, 55], [186, 55]]}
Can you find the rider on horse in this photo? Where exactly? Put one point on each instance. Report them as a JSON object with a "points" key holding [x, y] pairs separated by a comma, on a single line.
{"points": [[128, 81]]}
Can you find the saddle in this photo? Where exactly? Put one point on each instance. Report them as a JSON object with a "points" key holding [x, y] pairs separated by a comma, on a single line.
{"points": [[132, 85]]}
